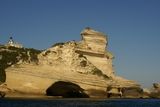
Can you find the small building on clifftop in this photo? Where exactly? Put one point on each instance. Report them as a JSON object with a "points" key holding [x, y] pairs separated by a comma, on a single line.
{"points": [[13, 44]]}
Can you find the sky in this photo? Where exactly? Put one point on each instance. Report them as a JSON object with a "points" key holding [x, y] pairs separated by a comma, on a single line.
{"points": [[132, 26]]}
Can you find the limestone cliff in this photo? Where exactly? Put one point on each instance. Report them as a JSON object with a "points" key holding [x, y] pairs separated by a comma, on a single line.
{"points": [[93, 47], [94, 40], [87, 63]]}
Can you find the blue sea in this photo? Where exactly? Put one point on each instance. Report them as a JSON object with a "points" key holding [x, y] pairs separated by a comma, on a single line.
{"points": [[12, 102]]}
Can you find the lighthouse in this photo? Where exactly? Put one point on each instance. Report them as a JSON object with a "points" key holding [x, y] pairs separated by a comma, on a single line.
{"points": [[13, 44]]}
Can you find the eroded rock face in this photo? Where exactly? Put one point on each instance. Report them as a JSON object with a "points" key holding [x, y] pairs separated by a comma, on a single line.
{"points": [[87, 63], [132, 92], [3, 90], [65, 55], [94, 47], [94, 40]]}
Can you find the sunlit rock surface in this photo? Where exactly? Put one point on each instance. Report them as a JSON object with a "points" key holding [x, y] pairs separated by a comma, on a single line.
{"points": [[87, 63], [155, 92], [94, 40]]}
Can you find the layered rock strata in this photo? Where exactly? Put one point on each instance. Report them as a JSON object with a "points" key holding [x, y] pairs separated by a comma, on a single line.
{"points": [[86, 63]]}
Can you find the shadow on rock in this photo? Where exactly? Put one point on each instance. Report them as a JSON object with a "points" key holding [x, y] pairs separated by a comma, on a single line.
{"points": [[66, 90]]}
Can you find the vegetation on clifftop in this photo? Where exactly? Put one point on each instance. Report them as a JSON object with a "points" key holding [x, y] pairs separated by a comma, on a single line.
{"points": [[58, 44], [98, 72], [11, 55]]}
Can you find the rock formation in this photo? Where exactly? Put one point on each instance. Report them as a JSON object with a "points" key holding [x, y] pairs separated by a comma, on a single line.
{"points": [[87, 63], [93, 40], [93, 47], [155, 92], [4, 89], [156, 86]]}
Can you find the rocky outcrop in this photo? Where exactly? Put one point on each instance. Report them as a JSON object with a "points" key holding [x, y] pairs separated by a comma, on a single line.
{"points": [[93, 40], [156, 86], [4, 89], [132, 92], [87, 63], [114, 91], [94, 47], [155, 92]]}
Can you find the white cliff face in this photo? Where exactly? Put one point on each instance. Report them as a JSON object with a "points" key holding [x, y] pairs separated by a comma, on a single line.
{"points": [[94, 40], [86, 63], [93, 47], [65, 55], [104, 64]]}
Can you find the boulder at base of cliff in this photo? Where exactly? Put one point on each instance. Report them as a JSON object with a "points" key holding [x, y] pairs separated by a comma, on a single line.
{"points": [[66, 90]]}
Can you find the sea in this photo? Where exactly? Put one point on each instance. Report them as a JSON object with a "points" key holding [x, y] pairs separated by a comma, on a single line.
{"points": [[21, 102]]}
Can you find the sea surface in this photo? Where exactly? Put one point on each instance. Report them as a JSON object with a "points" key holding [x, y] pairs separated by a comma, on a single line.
{"points": [[18, 102]]}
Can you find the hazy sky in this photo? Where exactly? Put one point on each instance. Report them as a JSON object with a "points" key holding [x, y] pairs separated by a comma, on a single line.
{"points": [[133, 28]]}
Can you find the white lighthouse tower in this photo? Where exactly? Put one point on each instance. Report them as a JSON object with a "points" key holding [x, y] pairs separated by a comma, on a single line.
{"points": [[13, 44]]}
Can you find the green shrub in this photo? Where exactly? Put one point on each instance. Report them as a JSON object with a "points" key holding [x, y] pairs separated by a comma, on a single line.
{"points": [[58, 44], [2, 75], [34, 53], [81, 56], [98, 72], [83, 63], [10, 57], [47, 52]]}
